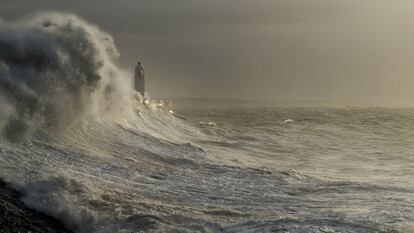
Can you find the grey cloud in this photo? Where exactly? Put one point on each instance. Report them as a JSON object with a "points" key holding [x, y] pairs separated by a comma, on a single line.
{"points": [[356, 51]]}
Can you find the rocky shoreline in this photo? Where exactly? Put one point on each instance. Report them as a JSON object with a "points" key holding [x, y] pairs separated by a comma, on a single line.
{"points": [[16, 217]]}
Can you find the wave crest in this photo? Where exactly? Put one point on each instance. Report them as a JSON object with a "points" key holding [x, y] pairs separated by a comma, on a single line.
{"points": [[55, 68]]}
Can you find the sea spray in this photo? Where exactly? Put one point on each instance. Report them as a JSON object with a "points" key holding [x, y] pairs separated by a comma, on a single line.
{"points": [[54, 69]]}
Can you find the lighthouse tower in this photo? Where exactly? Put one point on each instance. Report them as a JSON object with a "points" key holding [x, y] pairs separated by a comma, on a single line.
{"points": [[139, 79]]}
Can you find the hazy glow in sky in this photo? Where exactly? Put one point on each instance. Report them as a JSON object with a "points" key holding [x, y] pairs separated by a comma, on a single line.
{"points": [[332, 50]]}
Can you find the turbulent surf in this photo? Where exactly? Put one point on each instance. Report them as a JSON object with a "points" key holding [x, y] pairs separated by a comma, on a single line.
{"points": [[80, 146]]}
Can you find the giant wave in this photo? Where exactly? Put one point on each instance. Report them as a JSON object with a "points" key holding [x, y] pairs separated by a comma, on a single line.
{"points": [[54, 69]]}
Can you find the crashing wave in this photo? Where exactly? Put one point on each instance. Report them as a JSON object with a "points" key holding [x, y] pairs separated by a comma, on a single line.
{"points": [[54, 69]]}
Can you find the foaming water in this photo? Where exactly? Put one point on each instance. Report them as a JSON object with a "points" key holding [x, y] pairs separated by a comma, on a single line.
{"points": [[338, 170], [78, 156], [54, 70]]}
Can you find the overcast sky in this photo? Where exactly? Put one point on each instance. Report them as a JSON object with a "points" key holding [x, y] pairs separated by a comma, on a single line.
{"points": [[356, 51]]}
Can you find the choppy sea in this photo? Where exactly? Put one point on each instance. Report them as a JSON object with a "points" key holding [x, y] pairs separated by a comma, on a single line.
{"points": [[258, 169]]}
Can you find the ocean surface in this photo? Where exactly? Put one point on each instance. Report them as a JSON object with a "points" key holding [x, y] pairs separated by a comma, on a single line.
{"points": [[260, 169]]}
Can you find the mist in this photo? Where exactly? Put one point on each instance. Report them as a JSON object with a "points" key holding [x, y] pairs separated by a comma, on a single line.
{"points": [[55, 68], [353, 52]]}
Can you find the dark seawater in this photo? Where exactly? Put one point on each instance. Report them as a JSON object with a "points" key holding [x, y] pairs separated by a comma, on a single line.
{"points": [[263, 169]]}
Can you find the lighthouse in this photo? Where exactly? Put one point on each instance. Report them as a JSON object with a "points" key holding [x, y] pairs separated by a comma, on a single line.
{"points": [[139, 79]]}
